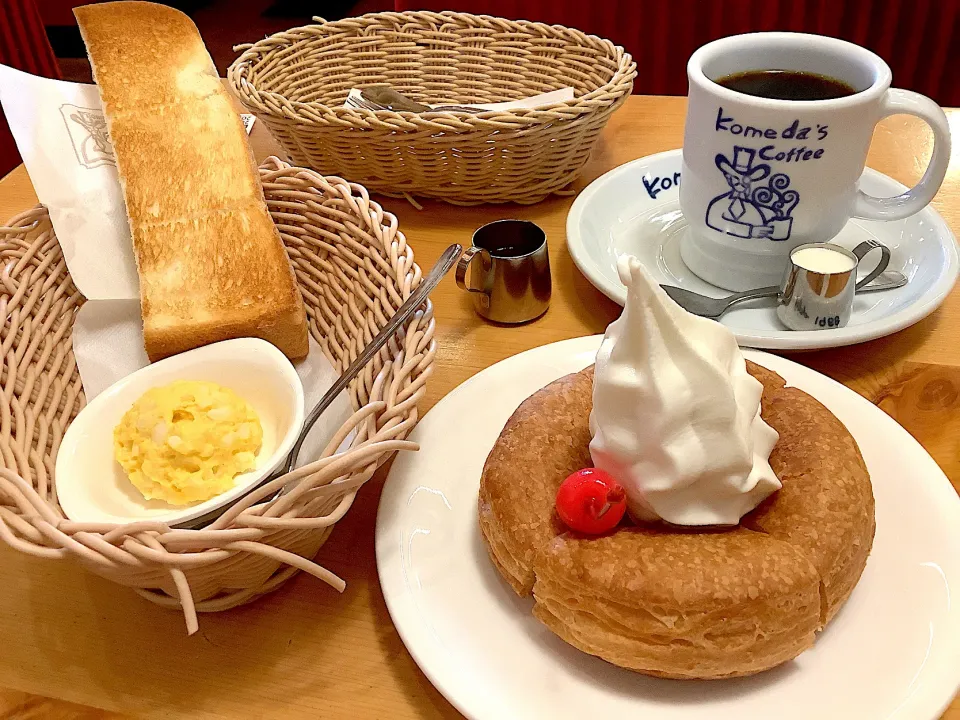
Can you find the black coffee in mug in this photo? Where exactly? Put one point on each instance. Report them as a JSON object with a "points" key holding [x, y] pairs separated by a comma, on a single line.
{"points": [[786, 85], [762, 176]]}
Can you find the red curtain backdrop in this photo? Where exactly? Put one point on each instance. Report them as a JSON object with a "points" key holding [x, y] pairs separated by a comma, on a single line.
{"points": [[920, 39], [23, 45]]}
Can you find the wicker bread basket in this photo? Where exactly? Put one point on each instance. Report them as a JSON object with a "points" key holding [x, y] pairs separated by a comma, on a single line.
{"points": [[296, 82], [355, 269]]}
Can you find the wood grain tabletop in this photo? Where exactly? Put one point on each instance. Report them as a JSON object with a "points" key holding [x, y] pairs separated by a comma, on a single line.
{"points": [[73, 645]]}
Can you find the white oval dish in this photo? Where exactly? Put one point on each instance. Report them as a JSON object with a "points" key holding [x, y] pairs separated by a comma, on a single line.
{"points": [[91, 485]]}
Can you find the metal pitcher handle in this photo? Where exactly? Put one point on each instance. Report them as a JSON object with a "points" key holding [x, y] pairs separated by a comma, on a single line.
{"points": [[462, 266], [865, 247]]}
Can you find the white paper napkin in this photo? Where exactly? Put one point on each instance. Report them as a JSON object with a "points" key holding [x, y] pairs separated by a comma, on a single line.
{"points": [[62, 138], [61, 133]]}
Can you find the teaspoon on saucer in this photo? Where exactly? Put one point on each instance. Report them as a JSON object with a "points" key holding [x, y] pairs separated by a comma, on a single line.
{"points": [[713, 308]]}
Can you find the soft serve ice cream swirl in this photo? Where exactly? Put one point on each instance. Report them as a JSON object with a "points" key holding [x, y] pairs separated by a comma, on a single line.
{"points": [[676, 417]]}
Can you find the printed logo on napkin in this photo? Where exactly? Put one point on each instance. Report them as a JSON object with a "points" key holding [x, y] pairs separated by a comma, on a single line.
{"points": [[87, 128], [62, 137]]}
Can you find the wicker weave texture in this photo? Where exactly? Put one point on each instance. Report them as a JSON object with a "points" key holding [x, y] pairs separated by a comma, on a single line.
{"points": [[354, 268], [296, 82]]}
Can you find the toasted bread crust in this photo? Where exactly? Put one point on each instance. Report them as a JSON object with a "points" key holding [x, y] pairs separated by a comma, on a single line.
{"points": [[212, 265]]}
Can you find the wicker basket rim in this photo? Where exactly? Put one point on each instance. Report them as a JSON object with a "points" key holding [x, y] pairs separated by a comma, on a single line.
{"points": [[237, 73], [272, 169], [260, 527]]}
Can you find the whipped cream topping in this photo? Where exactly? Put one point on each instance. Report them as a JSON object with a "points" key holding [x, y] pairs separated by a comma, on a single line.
{"points": [[676, 417]]}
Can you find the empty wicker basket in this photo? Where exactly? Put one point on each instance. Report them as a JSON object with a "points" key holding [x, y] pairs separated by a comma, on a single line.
{"points": [[355, 269], [296, 82]]}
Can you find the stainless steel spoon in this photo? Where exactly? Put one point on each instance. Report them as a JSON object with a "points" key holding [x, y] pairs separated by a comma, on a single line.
{"points": [[384, 98], [713, 308], [412, 303]]}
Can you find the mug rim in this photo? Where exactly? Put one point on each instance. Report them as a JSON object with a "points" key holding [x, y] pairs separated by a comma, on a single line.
{"points": [[833, 247], [696, 75], [511, 221]]}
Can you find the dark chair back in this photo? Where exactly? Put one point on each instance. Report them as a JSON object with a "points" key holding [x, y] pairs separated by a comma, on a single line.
{"points": [[23, 45], [920, 39]]}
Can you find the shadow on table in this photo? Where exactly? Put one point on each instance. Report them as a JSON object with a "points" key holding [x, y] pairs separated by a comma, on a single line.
{"points": [[99, 643]]}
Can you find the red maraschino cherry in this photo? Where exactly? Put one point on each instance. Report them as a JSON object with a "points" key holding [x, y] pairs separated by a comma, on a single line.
{"points": [[591, 502]]}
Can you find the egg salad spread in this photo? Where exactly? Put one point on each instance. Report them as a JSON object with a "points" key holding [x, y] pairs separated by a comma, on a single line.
{"points": [[186, 441]]}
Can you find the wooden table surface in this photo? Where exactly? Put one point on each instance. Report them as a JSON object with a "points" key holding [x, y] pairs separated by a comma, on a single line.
{"points": [[306, 651]]}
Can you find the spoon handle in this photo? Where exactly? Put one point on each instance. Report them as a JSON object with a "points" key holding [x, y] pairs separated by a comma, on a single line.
{"points": [[874, 282], [428, 283], [887, 280], [770, 291], [436, 274], [390, 99]]}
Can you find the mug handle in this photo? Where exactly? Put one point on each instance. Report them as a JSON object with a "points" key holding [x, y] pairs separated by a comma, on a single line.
{"points": [[906, 102], [470, 253], [862, 249]]}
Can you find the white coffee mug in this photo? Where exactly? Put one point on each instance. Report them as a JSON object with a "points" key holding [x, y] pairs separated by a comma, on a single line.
{"points": [[761, 176]]}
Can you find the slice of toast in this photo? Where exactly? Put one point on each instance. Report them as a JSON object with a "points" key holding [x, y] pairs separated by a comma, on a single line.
{"points": [[212, 265]]}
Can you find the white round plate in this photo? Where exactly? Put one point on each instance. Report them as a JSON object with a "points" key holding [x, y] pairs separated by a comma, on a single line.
{"points": [[892, 652], [634, 209]]}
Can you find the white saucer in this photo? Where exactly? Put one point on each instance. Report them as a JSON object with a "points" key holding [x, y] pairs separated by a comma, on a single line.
{"points": [[616, 214], [892, 652]]}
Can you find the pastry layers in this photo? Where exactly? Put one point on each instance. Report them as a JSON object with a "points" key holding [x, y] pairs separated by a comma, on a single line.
{"points": [[682, 602]]}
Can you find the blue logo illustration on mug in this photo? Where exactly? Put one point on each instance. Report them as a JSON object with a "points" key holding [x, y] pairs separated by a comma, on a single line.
{"points": [[749, 209]]}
